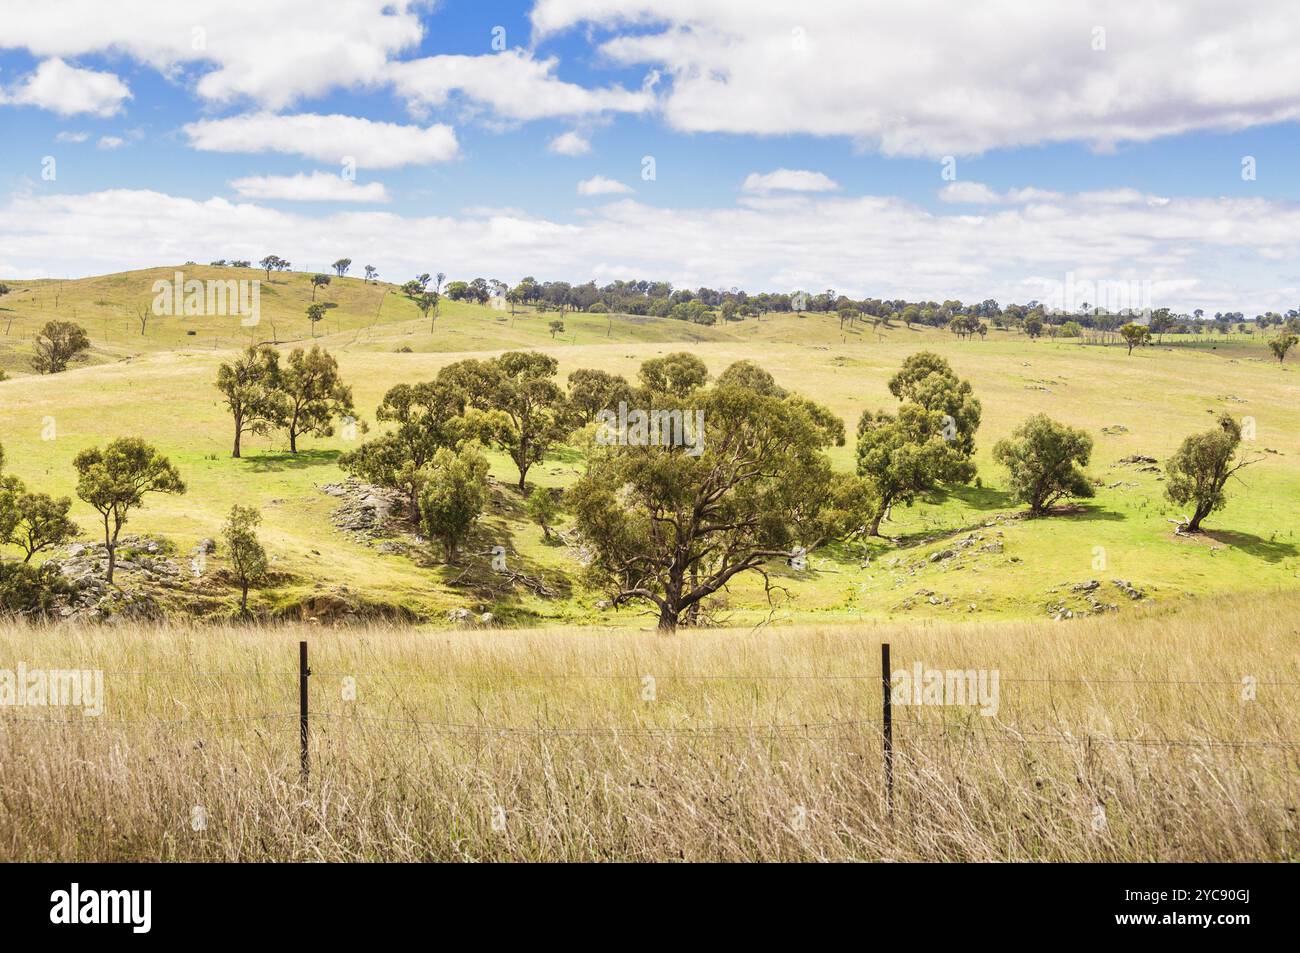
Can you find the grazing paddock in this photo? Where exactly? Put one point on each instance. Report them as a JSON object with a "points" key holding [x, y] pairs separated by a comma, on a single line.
{"points": [[1115, 738]]}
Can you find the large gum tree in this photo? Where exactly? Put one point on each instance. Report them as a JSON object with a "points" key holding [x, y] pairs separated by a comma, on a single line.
{"points": [[671, 527]]}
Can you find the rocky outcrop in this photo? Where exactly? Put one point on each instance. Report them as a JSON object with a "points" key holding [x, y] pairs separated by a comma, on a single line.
{"points": [[142, 564], [364, 509]]}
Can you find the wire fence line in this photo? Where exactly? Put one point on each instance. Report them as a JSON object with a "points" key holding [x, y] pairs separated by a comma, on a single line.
{"points": [[253, 674], [410, 722], [1000, 734], [837, 729]]}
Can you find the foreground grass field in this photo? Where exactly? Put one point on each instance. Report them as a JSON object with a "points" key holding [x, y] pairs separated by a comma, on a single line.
{"points": [[1129, 739]]}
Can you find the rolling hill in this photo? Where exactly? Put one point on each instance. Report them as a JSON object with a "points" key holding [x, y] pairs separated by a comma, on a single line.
{"points": [[968, 552]]}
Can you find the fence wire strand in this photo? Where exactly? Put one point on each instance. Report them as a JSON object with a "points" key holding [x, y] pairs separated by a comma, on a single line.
{"points": [[996, 733]]}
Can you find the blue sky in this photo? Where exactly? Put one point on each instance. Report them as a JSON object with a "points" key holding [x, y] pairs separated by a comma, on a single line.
{"points": [[937, 151]]}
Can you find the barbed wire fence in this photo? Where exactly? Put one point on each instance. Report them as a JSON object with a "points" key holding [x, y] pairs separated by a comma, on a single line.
{"points": [[884, 723]]}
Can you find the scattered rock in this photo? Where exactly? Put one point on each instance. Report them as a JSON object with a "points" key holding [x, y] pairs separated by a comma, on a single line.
{"points": [[365, 509], [1128, 588]]}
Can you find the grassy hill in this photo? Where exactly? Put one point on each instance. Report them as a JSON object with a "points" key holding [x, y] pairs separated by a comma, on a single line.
{"points": [[159, 386]]}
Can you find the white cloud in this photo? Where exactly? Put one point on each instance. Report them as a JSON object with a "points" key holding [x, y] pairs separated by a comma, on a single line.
{"points": [[970, 193], [1211, 253], [68, 90], [570, 144], [278, 52], [788, 180], [977, 193], [602, 185], [110, 142], [513, 84], [316, 187], [69, 136], [931, 78], [241, 48], [374, 145]]}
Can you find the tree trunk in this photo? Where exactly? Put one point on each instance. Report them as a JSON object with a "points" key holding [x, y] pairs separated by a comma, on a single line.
{"points": [[693, 611], [523, 473], [238, 433], [293, 440], [112, 561], [243, 600], [874, 529], [667, 618]]}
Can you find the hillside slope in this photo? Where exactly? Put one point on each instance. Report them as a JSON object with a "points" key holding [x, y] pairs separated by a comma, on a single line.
{"points": [[160, 387]]}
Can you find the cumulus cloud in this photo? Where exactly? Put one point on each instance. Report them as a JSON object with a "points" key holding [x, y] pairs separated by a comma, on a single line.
{"points": [[931, 78], [985, 77], [602, 185], [316, 187], [1211, 253], [788, 180], [225, 51], [513, 84], [570, 144], [69, 90], [111, 142], [333, 138], [71, 136], [969, 193], [228, 43], [977, 193]]}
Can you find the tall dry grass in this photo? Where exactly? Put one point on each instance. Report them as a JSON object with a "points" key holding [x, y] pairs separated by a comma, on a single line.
{"points": [[757, 745]]}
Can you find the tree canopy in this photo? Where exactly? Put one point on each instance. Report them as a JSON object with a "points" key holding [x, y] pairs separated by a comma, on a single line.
{"points": [[1199, 472], [672, 529], [1044, 459], [252, 386], [928, 441], [115, 479], [314, 395]]}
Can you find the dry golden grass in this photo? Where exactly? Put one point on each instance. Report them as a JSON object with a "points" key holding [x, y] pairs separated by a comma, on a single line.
{"points": [[767, 758]]}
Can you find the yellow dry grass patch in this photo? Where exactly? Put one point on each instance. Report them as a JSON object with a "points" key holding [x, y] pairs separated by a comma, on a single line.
{"points": [[748, 744]]}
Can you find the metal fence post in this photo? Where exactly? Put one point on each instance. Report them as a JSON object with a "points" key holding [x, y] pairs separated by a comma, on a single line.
{"points": [[887, 726], [303, 673]]}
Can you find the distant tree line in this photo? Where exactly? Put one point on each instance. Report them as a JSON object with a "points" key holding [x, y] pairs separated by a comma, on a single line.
{"points": [[706, 305]]}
